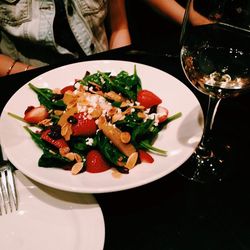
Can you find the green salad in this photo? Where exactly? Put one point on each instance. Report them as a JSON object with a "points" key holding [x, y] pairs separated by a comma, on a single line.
{"points": [[101, 121]]}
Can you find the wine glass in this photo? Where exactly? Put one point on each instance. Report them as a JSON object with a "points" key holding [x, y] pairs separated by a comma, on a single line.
{"points": [[215, 57]]}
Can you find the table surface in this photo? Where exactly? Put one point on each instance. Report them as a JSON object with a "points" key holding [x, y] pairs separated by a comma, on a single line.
{"points": [[174, 213]]}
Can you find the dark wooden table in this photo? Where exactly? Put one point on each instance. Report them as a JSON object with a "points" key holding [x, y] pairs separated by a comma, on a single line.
{"points": [[173, 213]]}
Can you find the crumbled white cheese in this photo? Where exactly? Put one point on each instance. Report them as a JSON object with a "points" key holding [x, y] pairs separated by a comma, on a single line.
{"points": [[94, 100], [151, 116], [89, 141]]}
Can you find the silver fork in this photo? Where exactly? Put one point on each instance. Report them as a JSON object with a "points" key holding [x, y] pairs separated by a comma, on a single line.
{"points": [[8, 195]]}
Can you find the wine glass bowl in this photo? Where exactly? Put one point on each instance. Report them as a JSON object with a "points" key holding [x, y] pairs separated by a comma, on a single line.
{"points": [[214, 65], [215, 57]]}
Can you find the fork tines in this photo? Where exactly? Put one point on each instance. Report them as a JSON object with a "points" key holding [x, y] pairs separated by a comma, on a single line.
{"points": [[7, 190]]}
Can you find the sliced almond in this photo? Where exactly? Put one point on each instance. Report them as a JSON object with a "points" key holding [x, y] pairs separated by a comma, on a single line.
{"points": [[126, 103], [98, 87], [58, 112], [77, 167], [45, 122], [114, 96], [132, 159], [70, 156], [112, 111], [66, 131], [125, 137], [117, 117], [63, 151], [141, 115], [127, 111], [68, 97], [63, 119], [138, 107], [97, 112], [78, 158]]}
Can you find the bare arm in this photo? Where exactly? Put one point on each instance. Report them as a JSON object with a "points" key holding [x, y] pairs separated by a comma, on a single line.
{"points": [[118, 24], [9, 66], [196, 18], [169, 8], [175, 11]]}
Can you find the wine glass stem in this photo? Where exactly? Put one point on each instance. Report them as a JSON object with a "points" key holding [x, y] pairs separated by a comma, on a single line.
{"points": [[204, 145]]}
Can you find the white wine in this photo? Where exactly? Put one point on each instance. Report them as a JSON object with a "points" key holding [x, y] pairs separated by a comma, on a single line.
{"points": [[216, 59]]}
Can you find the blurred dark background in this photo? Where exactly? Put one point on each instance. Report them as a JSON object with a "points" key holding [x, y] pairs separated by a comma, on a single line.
{"points": [[151, 30]]}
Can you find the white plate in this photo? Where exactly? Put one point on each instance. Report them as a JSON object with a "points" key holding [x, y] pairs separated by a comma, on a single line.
{"points": [[51, 219], [180, 138]]}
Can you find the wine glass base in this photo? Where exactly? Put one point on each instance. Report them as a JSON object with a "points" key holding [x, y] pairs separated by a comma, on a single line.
{"points": [[206, 168]]}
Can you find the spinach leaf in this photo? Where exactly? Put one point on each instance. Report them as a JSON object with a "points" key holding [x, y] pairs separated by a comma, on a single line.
{"points": [[130, 82], [96, 78], [141, 132], [51, 160], [48, 159], [110, 152], [153, 132], [156, 129], [130, 122], [80, 144], [123, 83], [37, 139], [118, 86], [47, 98]]}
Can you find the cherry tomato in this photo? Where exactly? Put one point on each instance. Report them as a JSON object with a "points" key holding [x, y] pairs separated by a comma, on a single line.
{"points": [[145, 157], [162, 114], [147, 98], [95, 162], [84, 126]]}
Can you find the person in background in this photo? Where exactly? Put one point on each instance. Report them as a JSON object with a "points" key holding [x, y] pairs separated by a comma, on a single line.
{"points": [[155, 25], [169, 8], [175, 11], [41, 32], [152, 27]]}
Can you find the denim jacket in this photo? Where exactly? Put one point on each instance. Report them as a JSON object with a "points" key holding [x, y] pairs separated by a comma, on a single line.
{"points": [[26, 29]]}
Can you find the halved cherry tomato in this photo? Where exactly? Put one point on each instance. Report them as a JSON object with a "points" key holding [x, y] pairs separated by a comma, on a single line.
{"points": [[84, 125], [95, 162], [162, 114], [59, 143], [35, 114], [148, 99], [70, 87], [145, 157]]}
